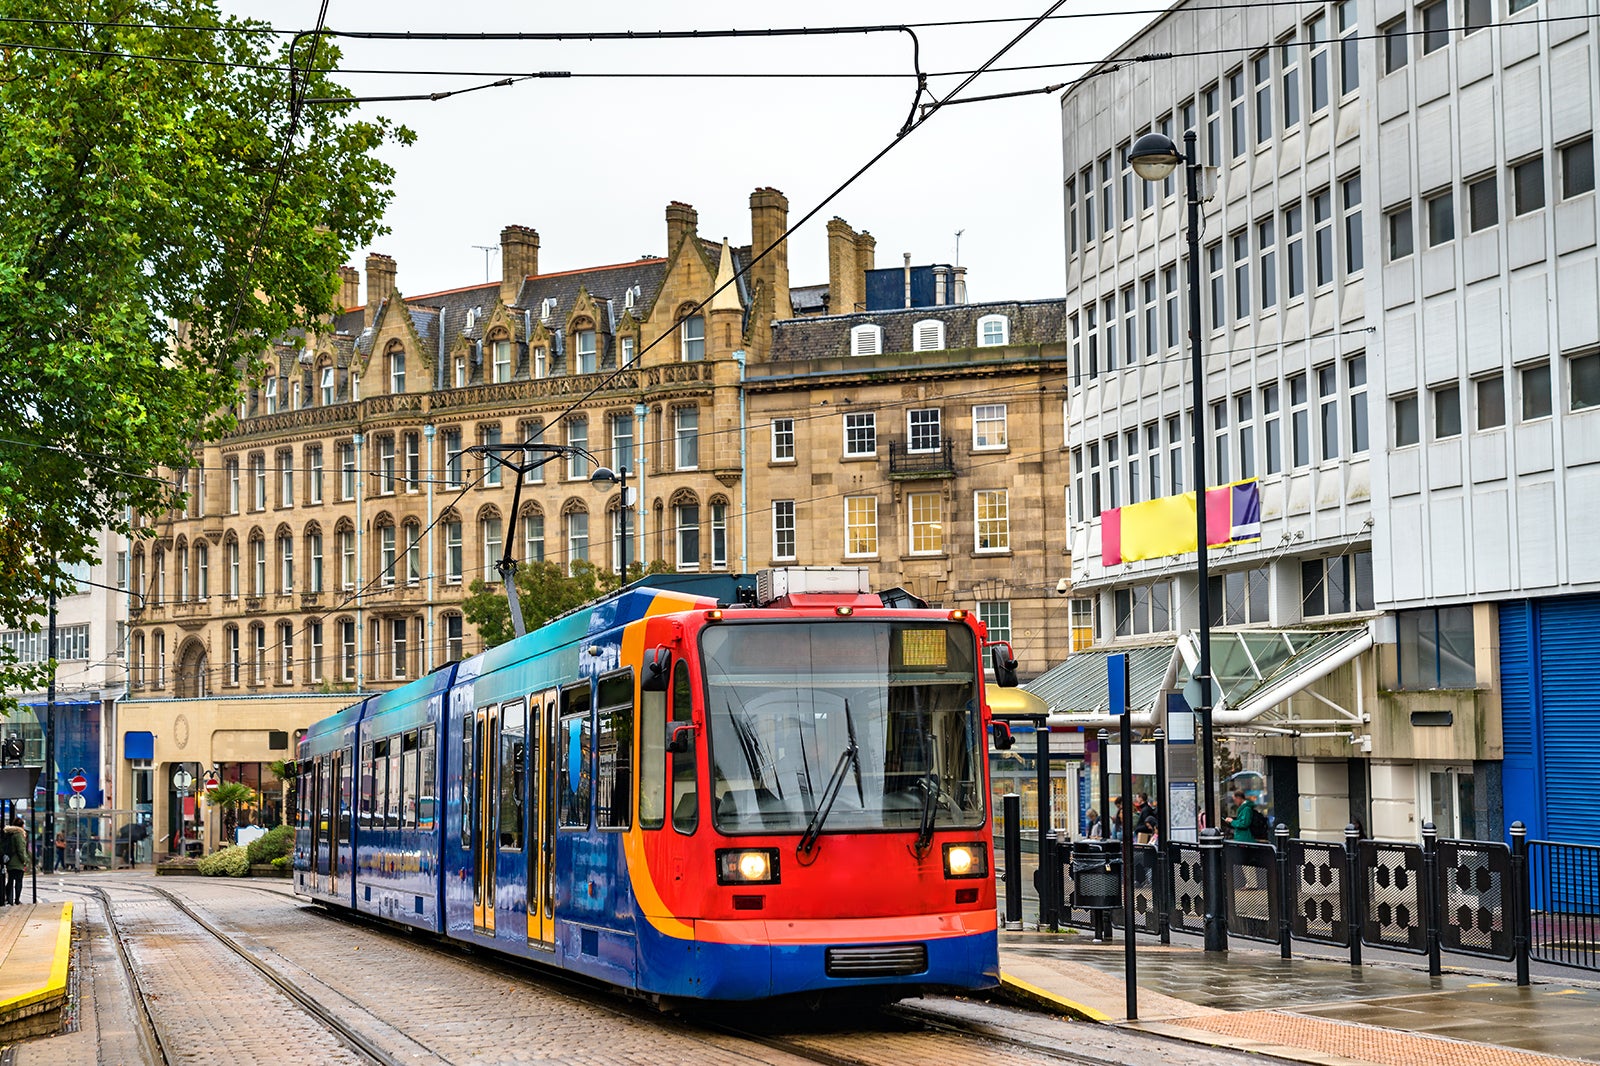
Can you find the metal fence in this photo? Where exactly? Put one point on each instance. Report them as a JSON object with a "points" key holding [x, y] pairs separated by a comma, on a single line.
{"points": [[1531, 900]]}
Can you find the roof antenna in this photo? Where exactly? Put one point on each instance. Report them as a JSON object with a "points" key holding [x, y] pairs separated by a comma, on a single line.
{"points": [[959, 232], [487, 250]]}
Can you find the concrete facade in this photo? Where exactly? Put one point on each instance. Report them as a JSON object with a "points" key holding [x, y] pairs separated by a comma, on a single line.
{"points": [[1398, 282]]}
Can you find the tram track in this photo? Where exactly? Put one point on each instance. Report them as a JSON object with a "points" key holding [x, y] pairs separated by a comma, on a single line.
{"points": [[153, 1035]]}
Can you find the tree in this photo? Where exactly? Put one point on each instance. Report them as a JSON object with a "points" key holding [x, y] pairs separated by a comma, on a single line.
{"points": [[545, 591], [173, 204], [228, 797]]}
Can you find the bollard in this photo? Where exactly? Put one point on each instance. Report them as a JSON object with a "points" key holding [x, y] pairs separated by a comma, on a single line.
{"points": [[1430, 895], [1049, 895], [1211, 860], [1280, 842], [1522, 902], [1011, 804], [1355, 877]]}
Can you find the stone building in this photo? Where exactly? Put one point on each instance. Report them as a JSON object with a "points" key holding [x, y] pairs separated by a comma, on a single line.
{"points": [[329, 539], [921, 437]]}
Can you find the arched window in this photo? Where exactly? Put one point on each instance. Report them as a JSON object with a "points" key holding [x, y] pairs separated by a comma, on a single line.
{"points": [[692, 338], [202, 571], [397, 369], [232, 637], [686, 524], [993, 330]]}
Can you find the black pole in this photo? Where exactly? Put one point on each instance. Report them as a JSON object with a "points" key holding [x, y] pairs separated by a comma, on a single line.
{"points": [[1356, 878], [1161, 887], [1129, 910], [1216, 935], [1522, 901], [47, 846], [1430, 895], [1042, 754], [1280, 840], [1105, 787], [1011, 804]]}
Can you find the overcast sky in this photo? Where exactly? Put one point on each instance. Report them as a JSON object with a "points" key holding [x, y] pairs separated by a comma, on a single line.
{"points": [[591, 162]]}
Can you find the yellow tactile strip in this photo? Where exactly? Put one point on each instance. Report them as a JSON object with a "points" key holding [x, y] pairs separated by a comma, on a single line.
{"points": [[52, 921], [1343, 1041]]}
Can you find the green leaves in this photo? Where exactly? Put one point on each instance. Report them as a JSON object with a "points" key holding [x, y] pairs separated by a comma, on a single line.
{"points": [[152, 182]]}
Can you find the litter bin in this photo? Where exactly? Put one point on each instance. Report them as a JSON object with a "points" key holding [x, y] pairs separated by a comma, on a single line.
{"points": [[1097, 874]]}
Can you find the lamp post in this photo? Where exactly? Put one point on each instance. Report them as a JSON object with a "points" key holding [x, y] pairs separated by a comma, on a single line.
{"points": [[619, 477], [1154, 156]]}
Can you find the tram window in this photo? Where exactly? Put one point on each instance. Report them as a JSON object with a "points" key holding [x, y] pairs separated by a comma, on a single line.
{"points": [[347, 767], [614, 752], [427, 789], [391, 806], [685, 790], [652, 758], [573, 758], [513, 744], [408, 782], [469, 813], [364, 800], [380, 783]]}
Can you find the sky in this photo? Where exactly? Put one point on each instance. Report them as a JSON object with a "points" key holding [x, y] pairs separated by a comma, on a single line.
{"points": [[592, 161]]}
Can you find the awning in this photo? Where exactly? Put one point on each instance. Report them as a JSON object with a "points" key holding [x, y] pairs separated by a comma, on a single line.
{"points": [[1076, 691], [1258, 669]]}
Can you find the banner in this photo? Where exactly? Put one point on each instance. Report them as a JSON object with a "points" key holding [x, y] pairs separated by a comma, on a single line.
{"points": [[1166, 526]]}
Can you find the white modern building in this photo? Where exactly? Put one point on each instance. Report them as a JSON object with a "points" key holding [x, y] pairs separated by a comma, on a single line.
{"points": [[1399, 286]]}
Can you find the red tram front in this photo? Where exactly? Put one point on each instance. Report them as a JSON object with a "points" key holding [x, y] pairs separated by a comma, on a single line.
{"points": [[836, 746]]}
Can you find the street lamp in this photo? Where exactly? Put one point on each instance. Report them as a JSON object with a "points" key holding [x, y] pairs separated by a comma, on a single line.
{"points": [[606, 476], [1154, 156]]}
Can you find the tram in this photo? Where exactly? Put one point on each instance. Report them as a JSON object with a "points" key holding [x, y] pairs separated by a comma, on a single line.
{"points": [[698, 787]]}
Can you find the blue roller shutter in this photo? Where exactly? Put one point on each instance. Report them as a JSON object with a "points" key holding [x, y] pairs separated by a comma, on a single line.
{"points": [[1569, 690]]}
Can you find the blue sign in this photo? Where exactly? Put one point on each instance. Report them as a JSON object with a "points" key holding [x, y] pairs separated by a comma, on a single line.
{"points": [[1117, 682]]}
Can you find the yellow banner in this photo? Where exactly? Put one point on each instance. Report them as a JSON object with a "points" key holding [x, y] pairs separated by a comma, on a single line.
{"points": [[1158, 527]]}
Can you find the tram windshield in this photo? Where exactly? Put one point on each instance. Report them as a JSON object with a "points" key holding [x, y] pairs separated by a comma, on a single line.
{"points": [[890, 708]]}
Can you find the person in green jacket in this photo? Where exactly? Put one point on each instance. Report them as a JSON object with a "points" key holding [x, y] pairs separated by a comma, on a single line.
{"points": [[16, 856], [1242, 815]]}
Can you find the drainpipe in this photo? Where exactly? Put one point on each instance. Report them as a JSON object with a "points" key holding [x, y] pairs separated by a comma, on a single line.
{"points": [[640, 413], [428, 432], [744, 473], [361, 622]]}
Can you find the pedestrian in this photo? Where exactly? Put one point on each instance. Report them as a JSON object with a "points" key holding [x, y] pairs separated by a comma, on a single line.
{"points": [[1092, 829], [1243, 815], [1116, 819], [1146, 826], [16, 857], [61, 849]]}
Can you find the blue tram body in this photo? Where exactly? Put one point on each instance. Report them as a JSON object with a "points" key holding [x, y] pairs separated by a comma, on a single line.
{"points": [[589, 796]]}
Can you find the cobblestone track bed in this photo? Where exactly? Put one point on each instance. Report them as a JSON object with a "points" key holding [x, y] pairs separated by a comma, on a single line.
{"points": [[203, 1005], [934, 1030]]}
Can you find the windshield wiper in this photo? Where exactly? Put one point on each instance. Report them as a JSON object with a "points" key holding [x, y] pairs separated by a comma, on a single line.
{"points": [[930, 807], [808, 840], [850, 724]]}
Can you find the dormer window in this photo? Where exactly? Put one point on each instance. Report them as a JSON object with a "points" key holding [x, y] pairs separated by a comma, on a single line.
{"points": [[472, 319], [927, 336], [329, 393], [866, 340], [272, 396], [693, 339], [397, 371], [629, 296], [993, 330], [546, 306]]}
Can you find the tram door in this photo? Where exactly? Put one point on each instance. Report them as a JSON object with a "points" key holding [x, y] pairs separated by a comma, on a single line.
{"points": [[336, 801], [542, 714], [484, 850], [319, 819]]}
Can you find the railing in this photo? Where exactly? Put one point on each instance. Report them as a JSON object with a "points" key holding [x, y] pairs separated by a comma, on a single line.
{"points": [[939, 462], [1531, 900]]}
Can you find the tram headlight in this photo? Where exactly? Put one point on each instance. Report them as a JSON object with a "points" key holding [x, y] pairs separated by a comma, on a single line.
{"points": [[966, 860], [747, 866]]}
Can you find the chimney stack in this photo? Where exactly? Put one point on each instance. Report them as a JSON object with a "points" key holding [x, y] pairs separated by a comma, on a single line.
{"points": [[769, 217], [908, 278], [682, 221], [961, 286], [940, 274], [847, 280], [349, 288], [380, 283], [519, 258]]}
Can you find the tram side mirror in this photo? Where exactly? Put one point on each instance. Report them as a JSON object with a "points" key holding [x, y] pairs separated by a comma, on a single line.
{"points": [[1002, 735], [657, 669], [1005, 666], [680, 737]]}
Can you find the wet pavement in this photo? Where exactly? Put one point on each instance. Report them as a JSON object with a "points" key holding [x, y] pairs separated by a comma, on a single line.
{"points": [[1316, 1009]]}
